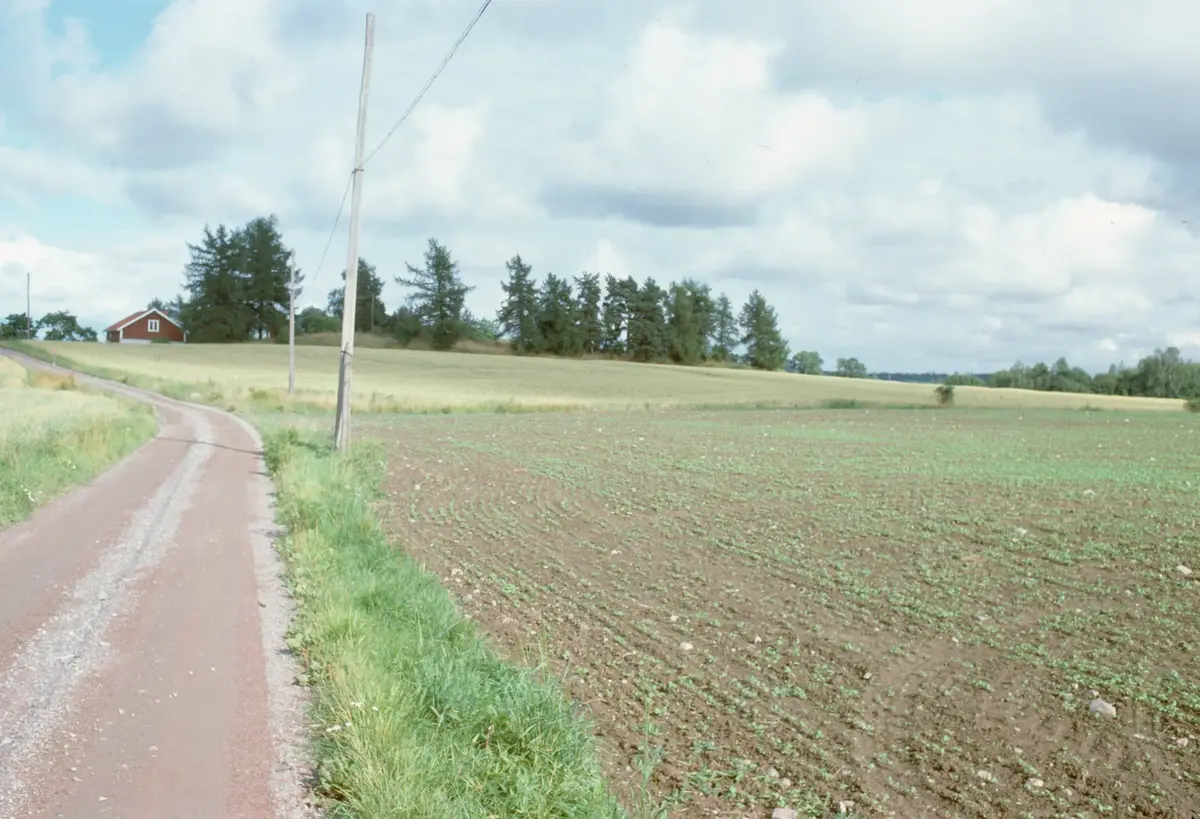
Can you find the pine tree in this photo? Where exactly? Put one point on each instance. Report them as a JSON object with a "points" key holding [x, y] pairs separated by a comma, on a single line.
{"points": [[266, 269], [618, 305], [723, 330], [765, 347], [588, 297], [217, 309], [518, 315], [647, 323], [557, 317], [440, 296]]}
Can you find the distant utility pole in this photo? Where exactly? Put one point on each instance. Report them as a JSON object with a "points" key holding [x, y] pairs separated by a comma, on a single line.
{"points": [[292, 324], [341, 435], [28, 307]]}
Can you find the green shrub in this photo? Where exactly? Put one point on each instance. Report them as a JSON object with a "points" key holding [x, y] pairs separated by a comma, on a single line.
{"points": [[944, 393]]}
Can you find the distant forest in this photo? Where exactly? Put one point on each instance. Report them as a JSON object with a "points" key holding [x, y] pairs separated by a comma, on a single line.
{"points": [[235, 288]]}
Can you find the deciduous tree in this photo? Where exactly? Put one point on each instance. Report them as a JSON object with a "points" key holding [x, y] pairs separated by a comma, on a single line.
{"points": [[63, 326], [851, 368], [808, 362]]}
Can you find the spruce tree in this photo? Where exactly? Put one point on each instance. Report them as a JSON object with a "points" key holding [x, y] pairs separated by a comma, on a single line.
{"points": [[518, 314], [557, 317], [440, 296], [217, 308], [588, 296], [647, 323], [266, 269], [615, 316], [765, 347], [723, 330]]}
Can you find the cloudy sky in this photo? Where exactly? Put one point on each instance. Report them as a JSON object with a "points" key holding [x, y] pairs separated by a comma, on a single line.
{"points": [[945, 184]]}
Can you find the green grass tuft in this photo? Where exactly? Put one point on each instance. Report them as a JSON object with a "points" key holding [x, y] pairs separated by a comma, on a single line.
{"points": [[416, 714]]}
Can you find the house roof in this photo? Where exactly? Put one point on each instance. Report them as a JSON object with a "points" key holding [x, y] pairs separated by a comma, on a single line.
{"points": [[140, 314]]}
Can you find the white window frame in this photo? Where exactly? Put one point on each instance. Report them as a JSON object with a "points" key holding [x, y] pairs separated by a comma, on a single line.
{"points": [[152, 325]]}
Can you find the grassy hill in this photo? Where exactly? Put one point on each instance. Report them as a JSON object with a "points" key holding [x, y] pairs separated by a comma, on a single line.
{"points": [[423, 381]]}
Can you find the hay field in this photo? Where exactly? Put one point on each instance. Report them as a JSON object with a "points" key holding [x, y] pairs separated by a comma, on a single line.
{"points": [[405, 380], [12, 374], [54, 436]]}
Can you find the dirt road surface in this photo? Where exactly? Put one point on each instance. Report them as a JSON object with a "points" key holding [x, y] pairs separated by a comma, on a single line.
{"points": [[143, 672]]}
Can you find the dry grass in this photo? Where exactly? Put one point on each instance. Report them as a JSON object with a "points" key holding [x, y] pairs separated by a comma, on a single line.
{"points": [[409, 380], [53, 436], [12, 374]]}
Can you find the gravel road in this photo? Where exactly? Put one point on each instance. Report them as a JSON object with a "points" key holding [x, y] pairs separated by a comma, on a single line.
{"points": [[143, 671]]}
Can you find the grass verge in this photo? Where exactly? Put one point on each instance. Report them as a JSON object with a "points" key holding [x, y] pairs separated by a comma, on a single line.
{"points": [[54, 436], [417, 715]]}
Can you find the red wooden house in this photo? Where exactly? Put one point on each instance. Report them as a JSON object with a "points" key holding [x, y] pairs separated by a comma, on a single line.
{"points": [[145, 326]]}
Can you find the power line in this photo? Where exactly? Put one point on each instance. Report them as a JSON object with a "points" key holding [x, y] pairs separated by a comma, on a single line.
{"points": [[430, 81], [332, 231]]}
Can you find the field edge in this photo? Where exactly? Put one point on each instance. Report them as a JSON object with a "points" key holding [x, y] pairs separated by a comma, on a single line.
{"points": [[47, 466], [415, 713]]}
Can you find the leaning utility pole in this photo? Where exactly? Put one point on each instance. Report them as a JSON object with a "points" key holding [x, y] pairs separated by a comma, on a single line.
{"points": [[28, 308], [292, 324], [341, 434]]}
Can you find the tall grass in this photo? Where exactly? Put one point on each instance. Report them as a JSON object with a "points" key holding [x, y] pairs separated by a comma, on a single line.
{"points": [[417, 715], [53, 436]]}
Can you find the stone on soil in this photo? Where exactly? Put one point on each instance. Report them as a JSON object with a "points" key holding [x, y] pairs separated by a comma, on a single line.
{"points": [[1099, 706]]}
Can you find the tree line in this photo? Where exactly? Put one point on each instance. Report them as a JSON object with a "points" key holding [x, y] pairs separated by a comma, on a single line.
{"points": [[57, 326], [1162, 374], [683, 323], [235, 288]]}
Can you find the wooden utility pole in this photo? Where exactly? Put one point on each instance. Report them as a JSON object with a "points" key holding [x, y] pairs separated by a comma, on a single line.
{"points": [[28, 307], [341, 435], [292, 324]]}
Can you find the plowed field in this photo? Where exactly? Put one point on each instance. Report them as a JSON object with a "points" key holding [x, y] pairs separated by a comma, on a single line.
{"points": [[892, 612]]}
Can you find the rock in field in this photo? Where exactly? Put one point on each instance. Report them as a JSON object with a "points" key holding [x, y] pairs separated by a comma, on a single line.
{"points": [[1099, 706], [1183, 570], [783, 813]]}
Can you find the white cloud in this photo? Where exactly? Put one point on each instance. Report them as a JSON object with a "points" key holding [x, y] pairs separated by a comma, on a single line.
{"points": [[27, 175], [980, 182], [696, 115], [98, 284]]}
